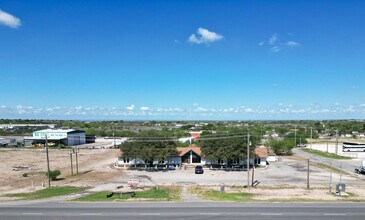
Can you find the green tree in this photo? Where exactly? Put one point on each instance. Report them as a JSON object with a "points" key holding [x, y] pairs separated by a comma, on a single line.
{"points": [[149, 146], [226, 148], [53, 174], [281, 147]]}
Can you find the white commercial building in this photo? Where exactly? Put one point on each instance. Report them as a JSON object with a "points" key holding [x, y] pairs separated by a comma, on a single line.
{"points": [[67, 137]]}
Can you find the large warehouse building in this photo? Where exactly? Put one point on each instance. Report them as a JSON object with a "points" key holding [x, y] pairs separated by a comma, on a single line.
{"points": [[66, 137]]}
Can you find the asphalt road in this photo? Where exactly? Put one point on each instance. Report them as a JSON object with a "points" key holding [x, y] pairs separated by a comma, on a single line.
{"points": [[208, 210], [348, 166]]}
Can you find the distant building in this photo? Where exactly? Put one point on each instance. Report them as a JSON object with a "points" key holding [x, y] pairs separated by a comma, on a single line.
{"points": [[12, 126], [67, 137], [195, 134]]}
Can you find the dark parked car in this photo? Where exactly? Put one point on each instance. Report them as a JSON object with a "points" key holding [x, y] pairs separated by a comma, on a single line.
{"points": [[360, 170], [199, 170]]}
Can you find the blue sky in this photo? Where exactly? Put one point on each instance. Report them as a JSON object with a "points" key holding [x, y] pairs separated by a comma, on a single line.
{"points": [[182, 60]]}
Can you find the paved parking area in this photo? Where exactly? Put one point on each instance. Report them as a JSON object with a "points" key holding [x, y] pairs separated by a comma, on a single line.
{"points": [[292, 171]]}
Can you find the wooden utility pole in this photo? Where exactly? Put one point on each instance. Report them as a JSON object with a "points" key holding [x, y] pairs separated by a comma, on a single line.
{"points": [[336, 150], [311, 137], [72, 170], [48, 169], [295, 136], [308, 176], [248, 159], [253, 169], [77, 161]]}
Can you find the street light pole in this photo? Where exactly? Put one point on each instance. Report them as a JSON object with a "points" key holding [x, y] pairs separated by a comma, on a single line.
{"points": [[48, 169]]}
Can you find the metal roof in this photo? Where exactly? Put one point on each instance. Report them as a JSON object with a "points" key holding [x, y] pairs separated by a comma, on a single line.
{"points": [[59, 131]]}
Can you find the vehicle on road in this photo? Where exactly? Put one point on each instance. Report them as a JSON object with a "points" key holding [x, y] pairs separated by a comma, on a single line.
{"points": [[349, 146], [360, 170], [199, 170]]}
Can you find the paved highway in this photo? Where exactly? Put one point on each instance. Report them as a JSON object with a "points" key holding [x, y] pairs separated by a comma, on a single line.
{"points": [[196, 210]]}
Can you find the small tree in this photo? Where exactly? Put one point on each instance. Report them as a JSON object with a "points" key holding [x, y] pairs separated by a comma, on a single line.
{"points": [[53, 174], [281, 147]]}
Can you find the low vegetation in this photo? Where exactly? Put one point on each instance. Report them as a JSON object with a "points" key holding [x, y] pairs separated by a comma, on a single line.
{"points": [[48, 193], [216, 195], [53, 174], [171, 193], [326, 155]]}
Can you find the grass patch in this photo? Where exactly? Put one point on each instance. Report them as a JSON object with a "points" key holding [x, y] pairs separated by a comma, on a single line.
{"points": [[328, 167], [326, 155], [162, 193], [47, 193], [216, 195]]}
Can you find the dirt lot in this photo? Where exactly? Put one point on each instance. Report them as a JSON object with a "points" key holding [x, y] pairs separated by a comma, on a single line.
{"points": [[95, 168], [288, 177]]}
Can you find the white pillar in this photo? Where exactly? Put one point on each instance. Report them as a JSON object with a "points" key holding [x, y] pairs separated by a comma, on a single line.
{"points": [[191, 156]]}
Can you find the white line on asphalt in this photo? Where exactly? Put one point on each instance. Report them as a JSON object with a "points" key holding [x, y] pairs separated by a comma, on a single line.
{"points": [[90, 213], [210, 213], [334, 214], [32, 213], [271, 214], [149, 213]]}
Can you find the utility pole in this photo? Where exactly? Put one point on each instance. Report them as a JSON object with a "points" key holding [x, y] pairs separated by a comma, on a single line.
{"points": [[77, 161], [311, 137], [253, 169], [340, 174], [113, 138], [336, 150], [327, 147], [72, 170], [248, 159], [295, 136], [48, 170], [308, 176], [331, 178]]}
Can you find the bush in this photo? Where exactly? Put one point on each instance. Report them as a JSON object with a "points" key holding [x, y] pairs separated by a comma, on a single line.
{"points": [[281, 147], [25, 174], [54, 174]]}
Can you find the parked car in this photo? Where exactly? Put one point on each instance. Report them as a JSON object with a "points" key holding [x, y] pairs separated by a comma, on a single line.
{"points": [[199, 170], [360, 170]]}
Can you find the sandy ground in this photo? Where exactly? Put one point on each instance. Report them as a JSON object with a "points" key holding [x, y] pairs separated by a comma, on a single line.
{"points": [[95, 168], [280, 180]]}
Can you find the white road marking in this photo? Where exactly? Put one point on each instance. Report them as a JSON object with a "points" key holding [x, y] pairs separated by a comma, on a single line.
{"points": [[210, 213], [92, 214], [32, 213], [334, 214], [149, 213], [271, 214]]}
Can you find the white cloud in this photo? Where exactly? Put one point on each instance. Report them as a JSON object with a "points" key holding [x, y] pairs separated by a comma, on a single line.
{"points": [[144, 108], [9, 20], [130, 108], [273, 39], [200, 109], [261, 43], [3, 106], [248, 110], [293, 44], [206, 37], [275, 49]]}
